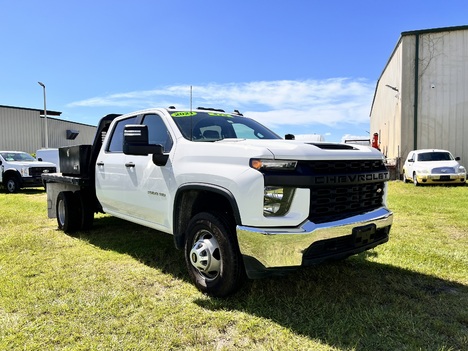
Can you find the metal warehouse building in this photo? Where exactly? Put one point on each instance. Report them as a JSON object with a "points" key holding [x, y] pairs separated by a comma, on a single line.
{"points": [[421, 98], [23, 129]]}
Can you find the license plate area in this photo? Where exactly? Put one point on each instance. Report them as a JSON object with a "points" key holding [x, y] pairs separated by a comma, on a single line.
{"points": [[364, 235]]}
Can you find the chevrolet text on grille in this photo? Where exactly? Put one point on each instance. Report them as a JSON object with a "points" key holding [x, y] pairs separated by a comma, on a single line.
{"points": [[351, 178]]}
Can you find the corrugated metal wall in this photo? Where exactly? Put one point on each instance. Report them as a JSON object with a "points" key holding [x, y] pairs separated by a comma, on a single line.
{"points": [[430, 70], [386, 110], [58, 132], [23, 130], [19, 129], [443, 92]]}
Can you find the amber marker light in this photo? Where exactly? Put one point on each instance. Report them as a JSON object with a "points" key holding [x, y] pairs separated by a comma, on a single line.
{"points": [[278, 165]]}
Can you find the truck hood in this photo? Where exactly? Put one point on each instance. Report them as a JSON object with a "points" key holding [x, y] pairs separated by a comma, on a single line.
{"points": [[304, 150]]}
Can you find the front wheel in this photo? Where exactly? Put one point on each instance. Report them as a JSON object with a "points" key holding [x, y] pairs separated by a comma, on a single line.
{"points": [[405, 178], [212, 255], [12, 185], [415, 180]]}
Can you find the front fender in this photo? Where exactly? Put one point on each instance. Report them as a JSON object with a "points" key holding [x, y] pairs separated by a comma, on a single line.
{"points": [[192, 198], [11, 173]]}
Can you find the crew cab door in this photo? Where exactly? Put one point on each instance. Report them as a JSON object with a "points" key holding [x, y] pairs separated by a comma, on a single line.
{"points": [[112, 184], [151, 185]]}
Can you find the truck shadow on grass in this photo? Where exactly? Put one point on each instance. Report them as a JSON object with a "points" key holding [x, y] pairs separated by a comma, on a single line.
{"points": [[351, 304], [25, 191], [150, 247], [361, 305]]}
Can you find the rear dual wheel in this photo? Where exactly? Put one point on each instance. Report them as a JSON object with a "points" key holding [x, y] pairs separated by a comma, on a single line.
{"points": [[67, 212], [74, 211]]}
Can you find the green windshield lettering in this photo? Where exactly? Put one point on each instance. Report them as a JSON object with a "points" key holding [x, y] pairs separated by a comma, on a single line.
{"points": [[183, 114], [219, 114]]}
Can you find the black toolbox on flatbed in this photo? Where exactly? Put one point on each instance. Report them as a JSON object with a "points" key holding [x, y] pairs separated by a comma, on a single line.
{"points": [[74, 160]]}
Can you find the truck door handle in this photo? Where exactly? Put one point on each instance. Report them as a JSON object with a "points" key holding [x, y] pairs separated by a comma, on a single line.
{"points": [[100, 163], [129, 164]]}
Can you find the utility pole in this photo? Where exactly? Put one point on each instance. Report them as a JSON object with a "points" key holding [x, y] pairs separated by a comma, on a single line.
{"points": [[45, 117]]}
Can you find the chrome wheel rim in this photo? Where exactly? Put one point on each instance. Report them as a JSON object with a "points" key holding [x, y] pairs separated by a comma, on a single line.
{"points": [[61, 212]]}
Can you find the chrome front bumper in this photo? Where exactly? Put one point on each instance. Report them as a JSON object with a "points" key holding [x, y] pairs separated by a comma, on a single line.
{"points": [[267, 248]]}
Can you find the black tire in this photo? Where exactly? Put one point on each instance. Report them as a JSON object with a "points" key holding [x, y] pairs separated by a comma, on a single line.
{"points": [[415, 180], [67, 211], [212, 255], [12, 185], [405, 179], [86, 207]]}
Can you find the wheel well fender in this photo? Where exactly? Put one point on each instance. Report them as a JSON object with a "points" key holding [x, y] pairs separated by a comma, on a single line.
{"points": [[11, 173], [196, 198]]}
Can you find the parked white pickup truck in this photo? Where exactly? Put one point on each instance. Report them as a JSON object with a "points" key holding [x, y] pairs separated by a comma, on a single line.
{"points": [[237, 197], [20, 170]]}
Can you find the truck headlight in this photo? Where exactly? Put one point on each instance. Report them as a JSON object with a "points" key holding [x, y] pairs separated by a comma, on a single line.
{"points": [[423, 171], [24, 171], [461, 169], [273, 165], [277, 200]]}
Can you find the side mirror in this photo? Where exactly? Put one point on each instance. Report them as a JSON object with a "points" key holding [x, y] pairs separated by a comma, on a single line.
{"points": [[39, 159], [410, 160], [457, 158], [136, 143]]}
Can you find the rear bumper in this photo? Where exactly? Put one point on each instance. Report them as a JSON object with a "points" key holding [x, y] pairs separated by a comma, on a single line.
{"points": [[265, 249]]}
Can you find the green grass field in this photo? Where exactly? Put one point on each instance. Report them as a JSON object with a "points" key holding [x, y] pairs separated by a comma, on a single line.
{"points": [[124, 287]]}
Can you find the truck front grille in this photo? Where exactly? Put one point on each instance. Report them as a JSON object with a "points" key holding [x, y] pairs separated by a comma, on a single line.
{"points": [[38, 171], [341, 189], [336, 202], [338, 189]]}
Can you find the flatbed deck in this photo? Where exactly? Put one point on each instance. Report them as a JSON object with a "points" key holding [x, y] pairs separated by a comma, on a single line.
{"points": [[65, 179]]}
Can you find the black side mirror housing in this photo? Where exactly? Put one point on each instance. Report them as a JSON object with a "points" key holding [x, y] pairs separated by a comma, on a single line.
{"points": [[136, 143]]}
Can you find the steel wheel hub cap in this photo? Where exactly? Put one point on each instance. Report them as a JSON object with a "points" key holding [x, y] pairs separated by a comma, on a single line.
{"points": [[205, 256]]}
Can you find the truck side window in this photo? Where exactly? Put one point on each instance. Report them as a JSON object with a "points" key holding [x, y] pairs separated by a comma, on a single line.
{"points": [[157, 132], [116, 142]]}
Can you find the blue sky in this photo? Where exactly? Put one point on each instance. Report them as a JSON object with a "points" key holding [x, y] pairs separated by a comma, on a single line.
{"points": [[299, 67]]}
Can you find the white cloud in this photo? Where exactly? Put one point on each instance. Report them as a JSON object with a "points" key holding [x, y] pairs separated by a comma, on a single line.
{"points": [[275, 103]]}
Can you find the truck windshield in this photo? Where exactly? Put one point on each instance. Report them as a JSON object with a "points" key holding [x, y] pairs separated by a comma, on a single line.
{"points": [[213, 126], [17, 156]]}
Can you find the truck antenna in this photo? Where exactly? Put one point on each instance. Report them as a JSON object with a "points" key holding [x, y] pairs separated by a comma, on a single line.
{"points": [[191, 117]]}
